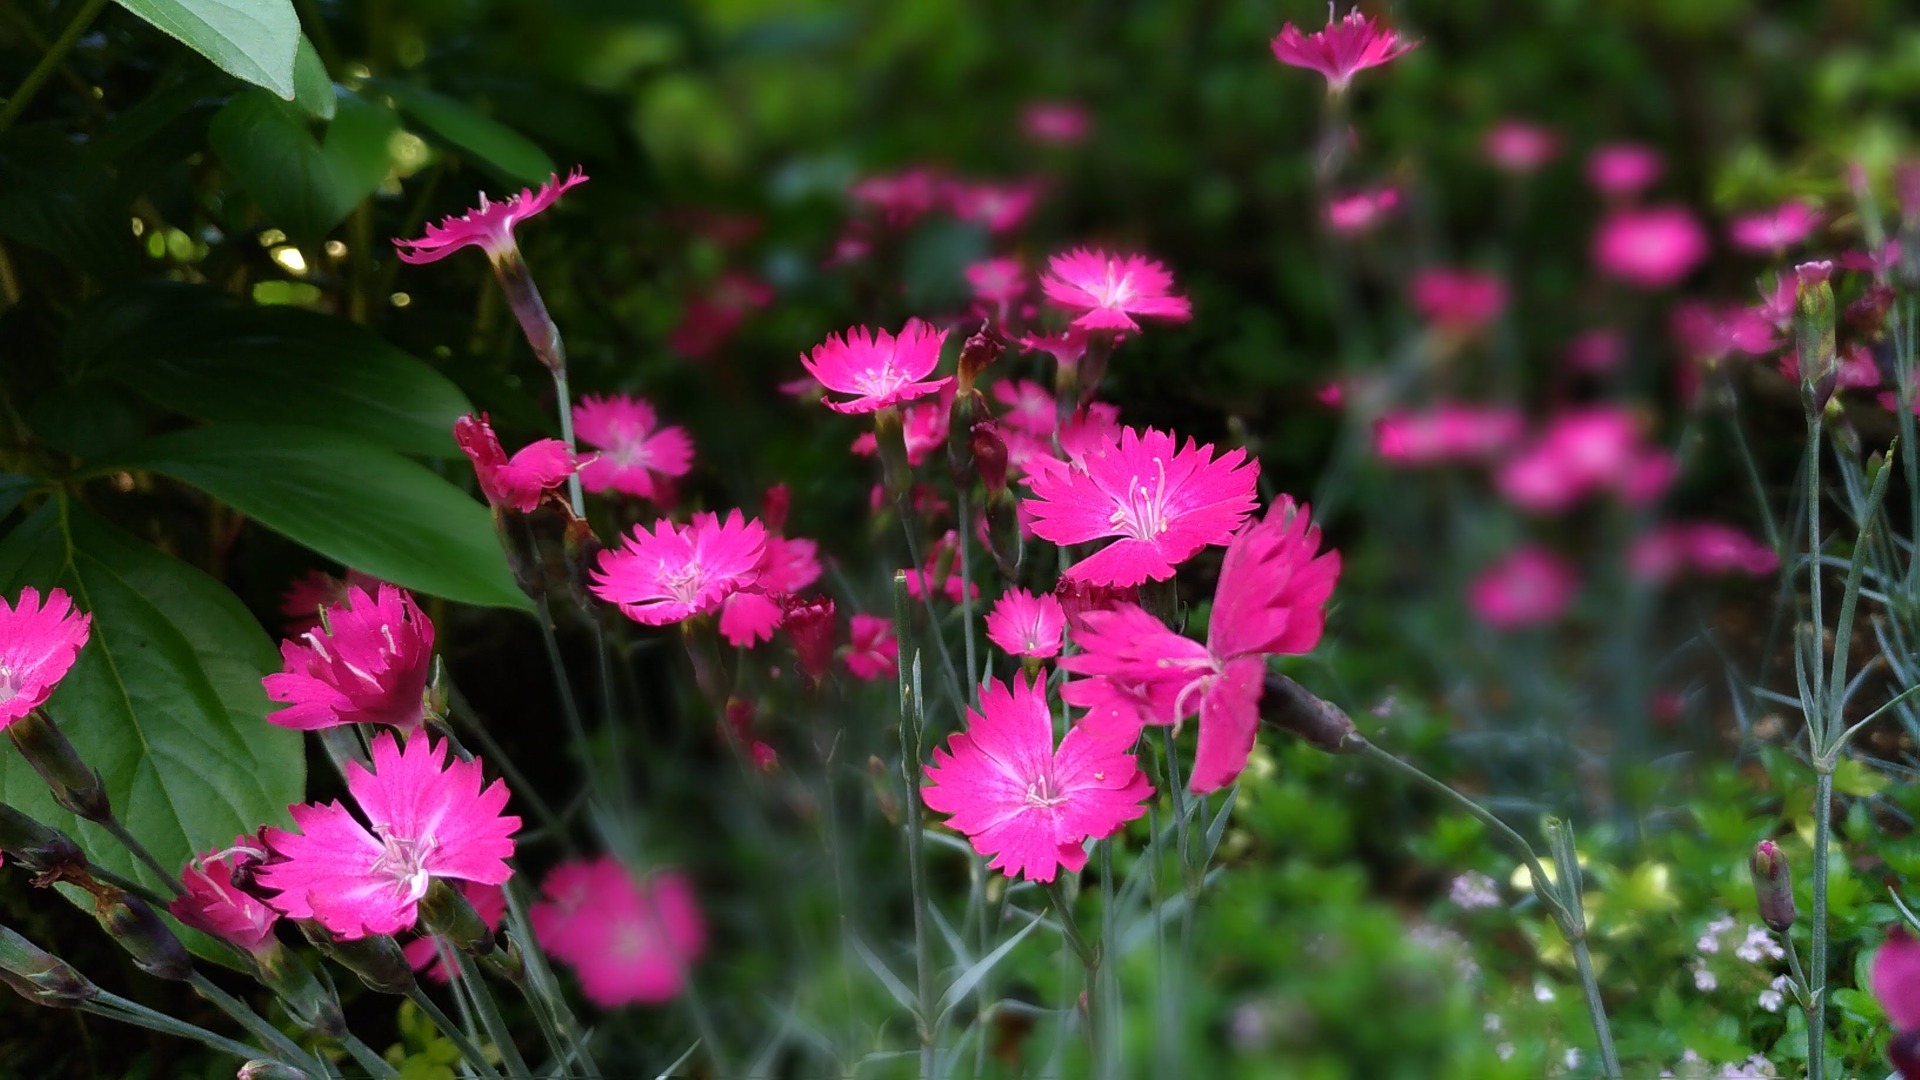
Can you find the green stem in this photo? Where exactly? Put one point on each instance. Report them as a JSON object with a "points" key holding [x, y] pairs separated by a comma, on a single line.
{"points": [[912, 724], [1817, 984], [363, 1055], [565, 407], [490, 1017], [114, 1007], [1596, 1009], [453, 1033], [284, 1048], [1793, 965], [541, 989], [1816, 720], [120, 833], [62, 45]]}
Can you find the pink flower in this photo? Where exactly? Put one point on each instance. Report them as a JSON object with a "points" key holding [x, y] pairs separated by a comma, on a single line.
{"points": [[1027, 406], [1027, 625], [942, 572], [1581, 451], [488, 227], [878, 369], [308, 596], [367, 664], [1896, 983], [749, 616], [1447, 432], [1162, 501], [999, 282], [212, 905], [872, 652], [1107, 290], [1776, 230], [1017, 798], [37, 646], [1352, 215], [1652, 247], [1596, 351], [429, 819], [924, 425], [899, 198], [1623, 170], [1857, 369], [1707, 547], [1341, 50], [711, 317], [630, 941], [1458, 300], [996, 207], [1520, 147], [514, 483], [425, 952], [1529, 587], [676, 572], [1066, 347], [1059, 123], [637, 456]]}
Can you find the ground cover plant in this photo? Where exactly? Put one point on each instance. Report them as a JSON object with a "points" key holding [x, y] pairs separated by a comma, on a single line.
{"points": [[957, 539]]}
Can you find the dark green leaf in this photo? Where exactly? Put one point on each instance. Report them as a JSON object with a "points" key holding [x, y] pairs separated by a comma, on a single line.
{"points": [[312, 87], [509, 153], [13, 488], [253, 40], [62, 201], [355, 503], [303, 186]]}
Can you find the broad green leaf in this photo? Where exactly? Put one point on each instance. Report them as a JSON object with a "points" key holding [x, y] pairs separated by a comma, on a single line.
{"points": [[253, 40], [511, 154], [303, 186], [356, 503], [61, 200], [312, 87], [13, 488], [165, 700]]}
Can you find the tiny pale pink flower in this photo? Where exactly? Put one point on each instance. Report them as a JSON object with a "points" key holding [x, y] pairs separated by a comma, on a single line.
{"points": [[900, 198], [1520, 147], [877, 368], [213, 905], [1105, 291], [1706, 547], [1529, 587], [996, 207], [1358, 213], [637, 455], [426, 819], [631, 941], [488, 226], [517, 482], [1027, 625], [872, 651], [367, 664], [425, 953], [1161, 501], [1447, 432], [37, 645], [1652, 247], [1020, 799], [1059, 123], [676, 572], [1461, 301], [1623, 170], [1776, 230], [1344, 48]]}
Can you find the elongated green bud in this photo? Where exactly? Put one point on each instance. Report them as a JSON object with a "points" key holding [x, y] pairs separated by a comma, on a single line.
{"points": [[1291, 707], [40, 848], [76, 787], [262, 1069], [1813, 324], [890, 441], [311, 1004], [1773, 885], [445, 912], [138, 929], [376, 959], [1003, 534], [39, 976]]}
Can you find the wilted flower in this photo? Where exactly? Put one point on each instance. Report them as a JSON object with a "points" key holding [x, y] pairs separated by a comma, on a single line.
{"points": [[1106, 291], [1651, 247], [1529, 587], [631, 941], [1342, 49], [675, 572], [514, 483], [488, 226], [877, 368], [37, 645], [367, 664], [1027, 625], [213, 905]]}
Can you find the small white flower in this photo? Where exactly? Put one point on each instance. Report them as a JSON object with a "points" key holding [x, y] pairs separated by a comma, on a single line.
{"points": [[1572, 1057], [1491, 1024], [1771, 1000], [1505, 1051], [1703, 980], [1542, 992], [1473, 890]]}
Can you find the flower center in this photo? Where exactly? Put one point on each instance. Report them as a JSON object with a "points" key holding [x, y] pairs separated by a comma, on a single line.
{"points": [[1116, 291], [403, 861], [9, 684], [684, 584], [879, 380], [1141, 511], [1040, 794]]}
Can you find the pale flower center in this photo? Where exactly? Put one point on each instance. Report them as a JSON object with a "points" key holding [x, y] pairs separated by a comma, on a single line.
{"points": [[877, 381], [403, 861], [684, 584], [1114, 292], [1141, 512], [1041, 796], [9, 684]]}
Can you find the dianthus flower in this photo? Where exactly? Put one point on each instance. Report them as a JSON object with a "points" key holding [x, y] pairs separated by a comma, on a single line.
{"points": [[1019, 799], [1027, 406], [1059, 123], [1706, 547], [37, 646], [942, 572], [1596, 351], [367, 664], [1651, 247], [1027, 625], [1896, 983], [1271, 600], [1163, 502], [307, 597], [1447, 432], [923, 425], [1529, 587], [788, 565], [427, 819], [1342, 49], [516, 482], [630, 941], [1352, 215], [489, 226], [1461, 301], [872, 650], [213, 905], [712, 315], [1582, 451], [1066, 347], [425, 953], [637, 456], [1623, 170], [1106, 291], [1000, 283], [1774, 231], [899, 198], [877, 368], [1520, 147], [996, 207], [675, 571], [1857, 370]]}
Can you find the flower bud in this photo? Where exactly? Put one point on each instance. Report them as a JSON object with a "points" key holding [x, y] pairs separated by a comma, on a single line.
{"points": [[446, 913], [40, 976], [810, 624], [968, 408], [1773, 885], [42, 849], [311, 1004], [976, 355], [139, 930], [990, 456], [1814, 331], [1291, 707], [377, 959], [262, 1069], [507, 962], [1003, 534], [76, 787]]}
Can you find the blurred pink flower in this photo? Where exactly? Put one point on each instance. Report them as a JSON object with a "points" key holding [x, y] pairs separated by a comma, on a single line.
{"points": [[1581, 451], [1106, 290], [1706, 547], [1000, 282], [1596, 351], [213, 905], [429, 819], [424, 952], [996, 207], [488, 226], [1623, 170], [1707, 336], [1458, 300], [1163, 502], [1059, 123], [1028, 406], [1066, 347], [872, 651], [712, 315], [637, 456], [37, 646], [1027, 625], [630, 941], [811, 626], [1896, 983], [1342, 49], [942, 572], [1774, 231], [924, 424], [514, 483], [1447, 432], [789, 565], [900, 198], [1331, 394], [1520, 147], [1651, 247], [877, 368], [1529, 587], [306, 597], [676, 572], [1857, 369], [1352, 215], [367, 664], [1019, 799]]}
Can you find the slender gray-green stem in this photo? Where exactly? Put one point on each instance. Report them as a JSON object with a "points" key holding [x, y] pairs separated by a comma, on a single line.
{"points": [[564, 404], [30, 86], [1090, 958], [139, 850], [363, 1056], [1817, 926], [1105, 1048], [454, 1033], [496, 755], [112, 1006], [283, 1048], [490, 1017], [1566, 856], [912, 726], [542, 990], [1596, 1010], [1800, 991]]}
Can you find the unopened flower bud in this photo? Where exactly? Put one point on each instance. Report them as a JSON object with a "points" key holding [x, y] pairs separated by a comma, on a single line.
{"points": [[1814, 331], [42, 849], [140, 931], [39, 976], [810, 624], [377, 958], [507, 962], [446, 913], [311, 1004], [1773, 885], [1322, 724], [976, 355], [990, 456], [262, 1069], [890, 443], [968, 408], [1003, 534], [75, 787]]}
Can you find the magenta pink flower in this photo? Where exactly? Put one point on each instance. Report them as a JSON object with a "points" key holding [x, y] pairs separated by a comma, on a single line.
{"points": [[877, 368], [367, 664], [1106, 290], [303, 600], [1596, 351], [637, 456], [1001, 283], [1774, 231], [1623, 170], [37, 646], [1706, 547], [1896, 983], [872, 651], [212, 905], [426, 953], [749, 616], [1358, 213], [1857, 369], [1652, 247], [1461, 301], [923, 424], [426, 819], [1059, 123], [489, 226], [711, 316], [1162, 501], [630, 941], [1582, 451], [676, 572], [1017, 798], [1520, 147], [1447, 432], [1341, 50], [1027, 406], [996, 207], [899, 198], [942, 572], [1066, 347], [1027, 625], [514, 483], [1529, 587]]}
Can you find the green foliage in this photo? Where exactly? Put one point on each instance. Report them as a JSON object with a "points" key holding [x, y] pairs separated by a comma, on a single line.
{"points": [[304, 185], [256, 40]]}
